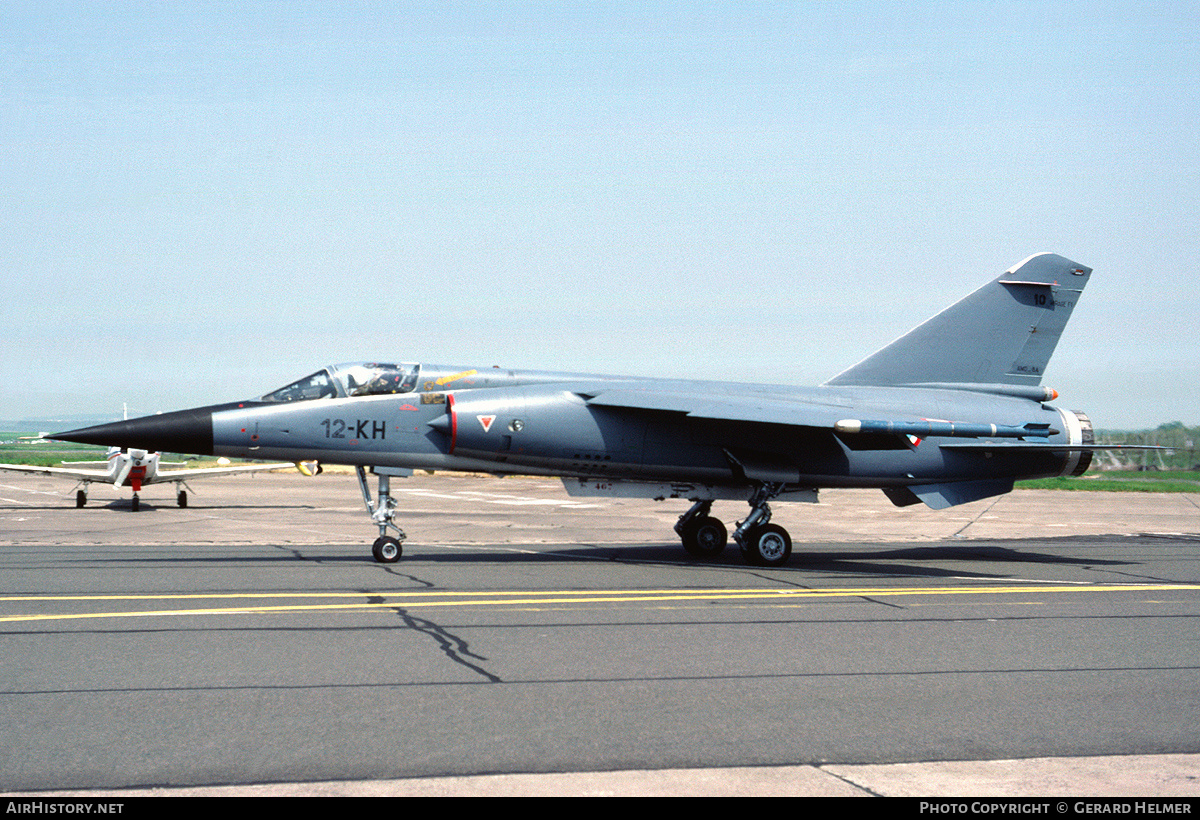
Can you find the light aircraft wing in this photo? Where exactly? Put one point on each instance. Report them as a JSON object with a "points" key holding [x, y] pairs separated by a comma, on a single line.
{"points": [[159, 477], [205, 472], [67, 472]]}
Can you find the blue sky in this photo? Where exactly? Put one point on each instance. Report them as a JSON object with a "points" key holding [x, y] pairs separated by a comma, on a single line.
{"points": [[203, 201]]}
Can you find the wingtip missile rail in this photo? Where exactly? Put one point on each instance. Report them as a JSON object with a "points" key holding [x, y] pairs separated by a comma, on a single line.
{"points": [[931, 429]]}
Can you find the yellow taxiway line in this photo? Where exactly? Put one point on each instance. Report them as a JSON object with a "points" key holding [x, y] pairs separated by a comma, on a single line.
{"points": [[431, 598]]}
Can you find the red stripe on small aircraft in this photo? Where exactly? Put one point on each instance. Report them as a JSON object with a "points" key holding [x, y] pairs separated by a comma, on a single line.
{"points": [[453, 422]]}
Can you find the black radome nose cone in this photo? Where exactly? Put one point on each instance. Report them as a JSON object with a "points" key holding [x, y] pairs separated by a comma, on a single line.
{"points": [[184, 431]]}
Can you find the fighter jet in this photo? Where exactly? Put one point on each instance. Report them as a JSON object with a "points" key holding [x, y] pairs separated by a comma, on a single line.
{"points": [[134, 468], [952, 412]]}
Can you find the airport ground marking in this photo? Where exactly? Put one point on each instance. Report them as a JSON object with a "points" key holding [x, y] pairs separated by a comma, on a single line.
{"points": [[492, 598]]}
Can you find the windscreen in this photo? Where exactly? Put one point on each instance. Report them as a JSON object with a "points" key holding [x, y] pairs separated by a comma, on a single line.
{"points": [[317, 386], [355, 379]]}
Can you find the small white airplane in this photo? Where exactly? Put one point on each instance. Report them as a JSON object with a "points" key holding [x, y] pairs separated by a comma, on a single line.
{"points": [[134, 468]]}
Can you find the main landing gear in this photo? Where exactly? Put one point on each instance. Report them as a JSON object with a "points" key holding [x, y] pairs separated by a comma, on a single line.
{"points": [[703, 536], [762, 543], [386, 549]]}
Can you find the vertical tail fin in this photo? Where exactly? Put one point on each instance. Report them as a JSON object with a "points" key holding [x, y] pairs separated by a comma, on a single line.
{"points": [[1004, 333]]}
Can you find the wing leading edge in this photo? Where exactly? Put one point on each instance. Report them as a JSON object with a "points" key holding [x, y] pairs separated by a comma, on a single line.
{"points": [[747, 407]]}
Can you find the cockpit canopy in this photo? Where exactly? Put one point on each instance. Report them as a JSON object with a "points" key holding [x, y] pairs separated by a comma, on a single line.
{"points": [[352, 379]]}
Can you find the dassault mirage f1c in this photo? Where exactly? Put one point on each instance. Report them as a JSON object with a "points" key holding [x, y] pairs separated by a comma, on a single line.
{"points": [[952, 412]]}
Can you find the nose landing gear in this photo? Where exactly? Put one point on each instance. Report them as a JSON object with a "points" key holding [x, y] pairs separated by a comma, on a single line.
{"points": [[386, 549]]}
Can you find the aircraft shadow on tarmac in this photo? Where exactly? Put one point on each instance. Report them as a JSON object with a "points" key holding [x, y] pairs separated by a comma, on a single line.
{"points": [[893, 561], [899, 559], [885, 560]]}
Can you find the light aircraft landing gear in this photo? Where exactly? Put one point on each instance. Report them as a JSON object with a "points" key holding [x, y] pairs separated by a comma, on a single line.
{"points": [[81, 497], [763, 543], [703, 536], [386, 549]]}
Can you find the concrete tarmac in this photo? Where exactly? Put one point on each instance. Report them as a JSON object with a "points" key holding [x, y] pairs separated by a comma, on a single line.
{"points": [[533, 643]]}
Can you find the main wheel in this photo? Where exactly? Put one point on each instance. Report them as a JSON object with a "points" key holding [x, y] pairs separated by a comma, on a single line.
{"points": [[705, 537], [182, 498], [387, 550], [80, 498], [768, 546]]}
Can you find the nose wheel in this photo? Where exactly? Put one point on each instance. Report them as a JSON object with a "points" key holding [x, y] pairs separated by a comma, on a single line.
{"points": [[387, 550]]}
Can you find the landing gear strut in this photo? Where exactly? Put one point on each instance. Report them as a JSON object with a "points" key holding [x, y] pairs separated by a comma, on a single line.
{"points": [[386, 549], [763, 543]]}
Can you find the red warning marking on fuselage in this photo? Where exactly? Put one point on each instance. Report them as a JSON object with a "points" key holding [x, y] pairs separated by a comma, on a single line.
{"points": [[486, 421]]}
